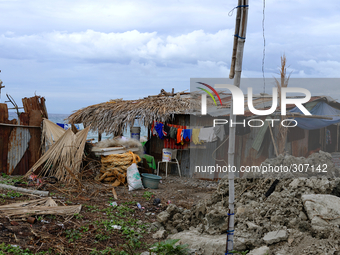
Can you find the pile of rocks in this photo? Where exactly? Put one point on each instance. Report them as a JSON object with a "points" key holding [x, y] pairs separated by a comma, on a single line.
{"points": [[302, 216]]}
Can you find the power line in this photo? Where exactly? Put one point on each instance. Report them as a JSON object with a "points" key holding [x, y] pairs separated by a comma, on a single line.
{"points": [[264, 46]]}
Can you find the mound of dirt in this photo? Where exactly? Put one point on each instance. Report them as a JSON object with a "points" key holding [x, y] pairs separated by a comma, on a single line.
{"points": [[258, 218]]}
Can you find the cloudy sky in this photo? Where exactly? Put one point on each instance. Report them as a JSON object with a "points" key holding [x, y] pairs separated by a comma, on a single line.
{"points": [[77, 53]]}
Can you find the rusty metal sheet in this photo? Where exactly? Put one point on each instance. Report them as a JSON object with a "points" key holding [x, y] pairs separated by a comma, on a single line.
{"points": [[17, 146]]}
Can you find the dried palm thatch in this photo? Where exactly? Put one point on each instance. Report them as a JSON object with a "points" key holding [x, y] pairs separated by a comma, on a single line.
{"points": [[282, 131], [44, 206], [50, 134], [116, 115], [114, 167], [67, 151]]}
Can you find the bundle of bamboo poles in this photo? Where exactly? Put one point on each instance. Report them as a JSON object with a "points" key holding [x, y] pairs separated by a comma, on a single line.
{"points": [[114, 167]]}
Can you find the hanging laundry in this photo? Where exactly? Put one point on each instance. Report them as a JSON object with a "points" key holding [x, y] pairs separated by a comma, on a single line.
{"points": [[195, 134], [179, 136], [173, 133], [187, 135], [207, 135], [153, 130], [159, 129], [219, 132], [166, 131]]}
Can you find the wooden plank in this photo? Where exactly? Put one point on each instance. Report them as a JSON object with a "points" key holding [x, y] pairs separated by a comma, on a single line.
{"points": [[113, 150], [35, 119], [4, 136]]}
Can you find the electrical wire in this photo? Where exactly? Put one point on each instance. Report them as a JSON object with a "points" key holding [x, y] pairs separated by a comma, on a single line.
{"points": [[264, 46]]}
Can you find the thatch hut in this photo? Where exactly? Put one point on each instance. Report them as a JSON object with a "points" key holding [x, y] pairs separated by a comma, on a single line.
{"points": [[114, 116]]}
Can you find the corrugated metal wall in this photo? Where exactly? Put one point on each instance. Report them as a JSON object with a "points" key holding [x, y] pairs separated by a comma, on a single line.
{"points": [[20, 139]]}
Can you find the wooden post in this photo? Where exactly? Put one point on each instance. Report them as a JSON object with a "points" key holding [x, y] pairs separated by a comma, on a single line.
{"points": [[231, 152], [271, 134], [237, 28], [99, 137]]}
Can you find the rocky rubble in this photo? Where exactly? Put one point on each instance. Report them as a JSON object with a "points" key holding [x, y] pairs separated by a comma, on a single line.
{"points": [[302, 216]]}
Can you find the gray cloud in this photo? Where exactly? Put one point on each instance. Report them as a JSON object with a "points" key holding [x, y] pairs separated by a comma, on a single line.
{"points": [[78, 53]]}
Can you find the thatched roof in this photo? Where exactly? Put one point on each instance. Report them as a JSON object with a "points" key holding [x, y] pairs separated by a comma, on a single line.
{"points": [[116, 115]]}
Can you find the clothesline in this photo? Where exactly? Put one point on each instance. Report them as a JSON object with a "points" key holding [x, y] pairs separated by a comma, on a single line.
{"points": [[183, 135]]}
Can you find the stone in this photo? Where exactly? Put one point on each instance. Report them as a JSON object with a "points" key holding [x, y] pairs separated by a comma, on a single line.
{"points": [[177, 216], [264, 250], [160, 234], [207, 244], [322, 210], [241, 210], [155, 226], [295, 184], [163, 216], [200, 210], [275, 236], [252, 225], [172, 209], [303, 216]]}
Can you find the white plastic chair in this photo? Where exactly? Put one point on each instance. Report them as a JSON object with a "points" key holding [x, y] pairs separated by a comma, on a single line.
{"points": [[173, 161]]}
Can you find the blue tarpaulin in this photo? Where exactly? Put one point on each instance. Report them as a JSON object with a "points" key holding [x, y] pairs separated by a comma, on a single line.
{"points": [[67, 126], [323, 109]]}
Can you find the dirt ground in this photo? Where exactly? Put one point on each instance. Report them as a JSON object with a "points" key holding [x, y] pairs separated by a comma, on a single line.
{"points": [[99, 228]]}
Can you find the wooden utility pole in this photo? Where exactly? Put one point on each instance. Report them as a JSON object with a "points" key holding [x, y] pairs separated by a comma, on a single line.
{"points": [[241, 22]]}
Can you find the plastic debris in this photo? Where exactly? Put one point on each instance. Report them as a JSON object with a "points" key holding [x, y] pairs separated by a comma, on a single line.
{"points": [[114, 204], [156, 201], [31, 220], [116, 227]]}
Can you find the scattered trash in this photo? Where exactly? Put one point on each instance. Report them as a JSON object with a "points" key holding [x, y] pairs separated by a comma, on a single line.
{"points": [[156, 201], [44, 221], [169, 202], [14, 223], [116, 227], [114, 204], [31, 220], [133, 178], [139, 206], [61, 225], [272, 188]]}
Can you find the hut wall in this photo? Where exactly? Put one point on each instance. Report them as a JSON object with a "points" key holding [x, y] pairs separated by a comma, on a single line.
{"points": [[183, 156], [298, 143]]}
